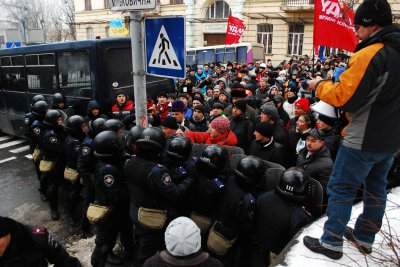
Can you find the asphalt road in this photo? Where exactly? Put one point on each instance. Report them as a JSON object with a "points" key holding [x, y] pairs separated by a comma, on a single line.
{"points": [[19, 195]]}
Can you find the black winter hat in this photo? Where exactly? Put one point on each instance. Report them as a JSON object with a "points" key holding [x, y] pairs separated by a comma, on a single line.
{"points": [[162, 93], [328, 120], [240, 104], [265, 129], [178, 106], [236, 85], [373, 12], [200, 108], [271, 111], [218, 106], [240, 93], [4, 227], [170, 122]]}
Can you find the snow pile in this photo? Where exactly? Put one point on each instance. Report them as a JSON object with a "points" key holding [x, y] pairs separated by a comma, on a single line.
{"points": [[386, 249], [81, 249]]}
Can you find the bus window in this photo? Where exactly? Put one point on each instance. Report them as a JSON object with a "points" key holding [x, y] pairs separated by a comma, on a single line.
{"points": [[74, 73], [190, 57], [41, 73], [230, 54], [13, 74], [119, 69], [205, 56], [242, 54]]}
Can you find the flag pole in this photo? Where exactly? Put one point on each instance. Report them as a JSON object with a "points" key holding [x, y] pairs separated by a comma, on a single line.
{"points": [[313, 62]]}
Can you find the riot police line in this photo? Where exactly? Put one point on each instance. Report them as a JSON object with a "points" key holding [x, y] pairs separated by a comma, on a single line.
{"points": [[133, 184]]}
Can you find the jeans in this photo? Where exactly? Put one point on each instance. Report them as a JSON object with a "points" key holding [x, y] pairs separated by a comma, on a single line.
{"points": [[352, 169]]}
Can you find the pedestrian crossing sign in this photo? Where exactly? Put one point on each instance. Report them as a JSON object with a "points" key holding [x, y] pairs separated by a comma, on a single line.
{"points": [[165, 46]]}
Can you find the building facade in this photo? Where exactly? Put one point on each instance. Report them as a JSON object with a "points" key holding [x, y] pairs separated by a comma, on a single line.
{"points": [[284, 27]]}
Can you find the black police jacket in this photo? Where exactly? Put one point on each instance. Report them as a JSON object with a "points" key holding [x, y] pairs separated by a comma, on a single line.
{"points": [[53, 143], [72, 149], [86, 160], [34, 247]]}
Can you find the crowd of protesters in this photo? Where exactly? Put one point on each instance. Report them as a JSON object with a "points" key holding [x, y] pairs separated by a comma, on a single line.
{"points": [[265, 108]]}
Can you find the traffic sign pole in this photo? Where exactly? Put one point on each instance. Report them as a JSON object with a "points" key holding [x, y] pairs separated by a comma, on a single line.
{"points": [[138, 67]]}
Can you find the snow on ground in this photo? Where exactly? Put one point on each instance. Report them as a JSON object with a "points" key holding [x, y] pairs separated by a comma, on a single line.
{"points": [[386, 250], [383, 253]]}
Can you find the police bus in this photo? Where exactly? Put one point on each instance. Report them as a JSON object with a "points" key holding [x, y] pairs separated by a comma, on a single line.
{"points": [[80, 70], [241, 53]]}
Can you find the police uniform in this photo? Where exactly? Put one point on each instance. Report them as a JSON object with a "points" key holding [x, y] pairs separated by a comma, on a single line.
{"points": [[150, 186], [35, 132], [33, 247], [111, 191], [54, 151]]}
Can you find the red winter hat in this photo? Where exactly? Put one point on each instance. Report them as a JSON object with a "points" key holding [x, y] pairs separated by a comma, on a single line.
{"points": [[303, 103], [221, 124]]}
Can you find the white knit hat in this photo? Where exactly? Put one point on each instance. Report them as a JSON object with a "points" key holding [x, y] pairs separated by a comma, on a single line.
{"points": [[182, 237]]}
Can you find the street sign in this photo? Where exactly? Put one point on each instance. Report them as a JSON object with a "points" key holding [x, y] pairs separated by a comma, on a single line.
{"points": [[13, 44], [165, 46], [132, 5]]}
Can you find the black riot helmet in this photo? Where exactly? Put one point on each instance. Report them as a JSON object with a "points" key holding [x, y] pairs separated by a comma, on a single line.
{"points": [[37, 98], [113, 125], [214, 158], [40, 108], [74, 125], [57, 99], [179, 148], [108, 144], [152, 140], [135, 133], [96, 126], [293, 185], [249, 171], [51, 118]]}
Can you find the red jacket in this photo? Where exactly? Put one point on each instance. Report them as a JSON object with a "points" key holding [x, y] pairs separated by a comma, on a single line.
{"points": [[227, 139], [163, 111], [120, 112]]}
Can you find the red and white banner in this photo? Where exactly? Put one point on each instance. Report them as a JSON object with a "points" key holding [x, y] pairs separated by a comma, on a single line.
{"points": [[334, 25], [234, 30]]}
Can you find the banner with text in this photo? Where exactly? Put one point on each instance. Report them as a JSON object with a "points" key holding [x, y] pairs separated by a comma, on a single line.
{"points": [[234, 30], [334, 25]]}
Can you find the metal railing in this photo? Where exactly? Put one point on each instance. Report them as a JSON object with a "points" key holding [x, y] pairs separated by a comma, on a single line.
{"points": [[297, 2]]}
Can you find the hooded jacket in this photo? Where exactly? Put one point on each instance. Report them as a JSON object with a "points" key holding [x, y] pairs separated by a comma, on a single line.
{"points": [[369, 92]]}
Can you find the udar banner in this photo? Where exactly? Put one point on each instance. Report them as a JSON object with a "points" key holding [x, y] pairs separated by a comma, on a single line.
{"points": [[334, 25]]}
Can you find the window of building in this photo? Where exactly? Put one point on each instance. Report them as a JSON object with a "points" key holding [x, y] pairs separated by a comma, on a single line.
{"points": [[175, 2], [218, 10], [89, 33], [264, 36], [74, 73], [41, 73], [106, 4], [13, 73], [88, 5], [296, 38]]}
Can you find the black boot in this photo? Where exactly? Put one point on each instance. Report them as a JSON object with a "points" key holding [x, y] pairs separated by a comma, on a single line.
{"points": [[113, 259], [55, 215], [349, 235], [314, 245]]}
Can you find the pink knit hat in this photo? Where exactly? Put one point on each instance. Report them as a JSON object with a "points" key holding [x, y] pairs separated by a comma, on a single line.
{"points": [[221, 124]]}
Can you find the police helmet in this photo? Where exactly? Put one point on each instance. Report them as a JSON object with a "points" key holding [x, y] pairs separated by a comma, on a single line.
{"points": [[214, 157], [134, 134], [37, 98], [40, 108], [74, 124], [51, 117], [113, 125], [179, 148], [96, 126], [293, 184], [59, 98], [108, 144], [152, 139], [249, 171]]}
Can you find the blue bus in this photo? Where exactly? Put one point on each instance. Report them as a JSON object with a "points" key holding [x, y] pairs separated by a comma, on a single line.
{"points": [[241, 53], [81, 70]]}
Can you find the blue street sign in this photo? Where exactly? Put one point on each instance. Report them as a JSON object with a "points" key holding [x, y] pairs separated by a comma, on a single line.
{"points": [[13, 44], [165, 46]]}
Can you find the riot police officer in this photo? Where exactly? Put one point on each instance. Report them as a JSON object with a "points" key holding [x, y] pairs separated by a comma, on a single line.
{"points": [[111, 192], [29, 118], [208, 188], [86, 170], [115, 126], [134, 134], [151, 192], [60, 102], [53, 163], [76, 128], [280, 214], [177, 160], [237, 212], [35, 133]]}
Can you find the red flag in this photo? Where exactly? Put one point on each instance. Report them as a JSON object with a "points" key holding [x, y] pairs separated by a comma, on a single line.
{"points": [[234, 30], [334, 25]]}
